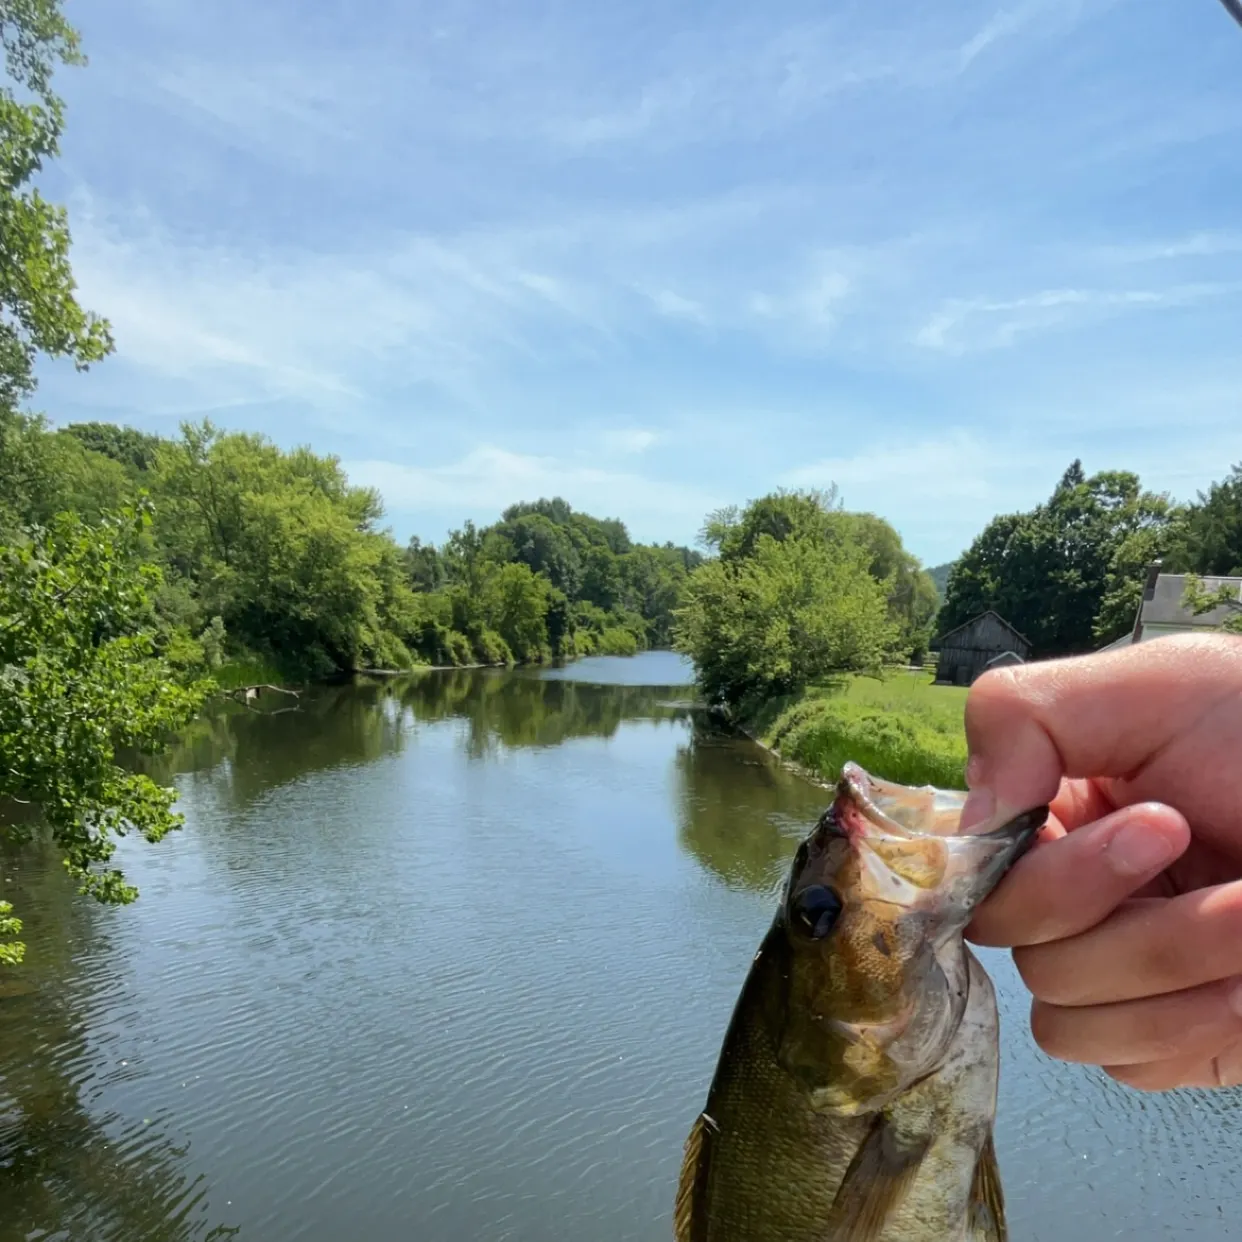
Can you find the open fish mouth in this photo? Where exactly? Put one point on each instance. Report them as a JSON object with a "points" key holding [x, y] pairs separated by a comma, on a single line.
{"points": [[906, 810]]}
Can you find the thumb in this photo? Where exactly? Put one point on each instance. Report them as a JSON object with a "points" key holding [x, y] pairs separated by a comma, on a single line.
{"points": [[1102, 715]]}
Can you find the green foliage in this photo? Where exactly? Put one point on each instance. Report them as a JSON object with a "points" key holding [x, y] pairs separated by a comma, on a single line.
{"points": [[818, 515], [81, 680], [800, 589], [1127, 572], [1049, 572], [551, 582], [514, 603], [788, 614], [1209, 539], [1200, 600], [424, 566], [133, 449], [39, 312], [11, 951], [283, 549]]}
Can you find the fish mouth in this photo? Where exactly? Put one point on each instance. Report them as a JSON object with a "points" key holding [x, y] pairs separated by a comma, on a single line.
{"points": [[865, 805]]}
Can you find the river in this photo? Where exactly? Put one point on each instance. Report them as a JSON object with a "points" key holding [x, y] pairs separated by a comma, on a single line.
{"points": [[448, 958]]}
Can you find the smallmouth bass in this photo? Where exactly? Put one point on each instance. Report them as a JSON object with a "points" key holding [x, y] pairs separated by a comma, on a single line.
{"points": [[855, 1091]]}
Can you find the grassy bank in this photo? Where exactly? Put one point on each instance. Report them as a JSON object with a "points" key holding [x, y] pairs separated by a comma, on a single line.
{"points": [[902, 728]]}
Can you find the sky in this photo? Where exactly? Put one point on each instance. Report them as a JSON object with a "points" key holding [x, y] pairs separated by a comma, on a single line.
{"points": [[661, 257]]}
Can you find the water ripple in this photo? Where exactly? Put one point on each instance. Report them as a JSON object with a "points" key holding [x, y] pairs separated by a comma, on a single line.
{"points": [[423, 990]]}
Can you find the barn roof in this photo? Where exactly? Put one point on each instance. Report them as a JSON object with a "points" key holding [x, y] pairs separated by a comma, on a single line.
{"points": [[1005, 657], [988, 612]]}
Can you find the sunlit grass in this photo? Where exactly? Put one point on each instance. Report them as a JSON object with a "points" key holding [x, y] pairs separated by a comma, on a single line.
{"points": [[901, 727]]}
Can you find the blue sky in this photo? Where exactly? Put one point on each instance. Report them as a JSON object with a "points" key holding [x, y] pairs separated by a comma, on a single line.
{"points": [[660, 257]]}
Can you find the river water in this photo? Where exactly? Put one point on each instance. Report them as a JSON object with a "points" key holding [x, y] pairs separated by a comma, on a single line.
{"points": [[449, 958]]}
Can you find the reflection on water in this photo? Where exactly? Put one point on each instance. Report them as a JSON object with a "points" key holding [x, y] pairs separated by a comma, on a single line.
{"points": [[739, 812], [450, 956], [71, 1167]]}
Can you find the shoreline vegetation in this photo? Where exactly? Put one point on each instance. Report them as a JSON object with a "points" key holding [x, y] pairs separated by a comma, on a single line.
{"points": [[141, 575], [268, 566], [898, 725]]}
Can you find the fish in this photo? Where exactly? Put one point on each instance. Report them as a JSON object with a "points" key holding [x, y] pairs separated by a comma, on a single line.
{"points": [[854, 1096]]}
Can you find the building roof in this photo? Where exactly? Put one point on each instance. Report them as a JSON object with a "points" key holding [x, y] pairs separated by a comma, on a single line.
{"points": [[989, 612], [1162, 603], [1005, 657]]}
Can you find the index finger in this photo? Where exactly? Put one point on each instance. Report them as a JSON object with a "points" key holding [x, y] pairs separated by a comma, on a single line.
{"points": [[1113, 714]]}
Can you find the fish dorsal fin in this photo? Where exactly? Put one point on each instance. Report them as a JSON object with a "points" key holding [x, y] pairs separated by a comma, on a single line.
{"points": [[689, 1221], [987, 1200], [875, 1184]]}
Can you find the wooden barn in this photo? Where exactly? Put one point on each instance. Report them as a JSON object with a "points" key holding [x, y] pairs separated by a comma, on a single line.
{"points": [[985, 641]]}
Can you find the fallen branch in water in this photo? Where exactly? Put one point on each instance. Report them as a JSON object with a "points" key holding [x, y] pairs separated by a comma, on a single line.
{"points": [[246, 695]]}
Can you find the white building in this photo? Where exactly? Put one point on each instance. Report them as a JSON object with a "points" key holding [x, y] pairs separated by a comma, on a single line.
{"points": [[1162, 612]]}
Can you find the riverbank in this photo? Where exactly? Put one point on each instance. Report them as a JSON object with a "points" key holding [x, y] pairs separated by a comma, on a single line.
{"points": [[901, 727]]}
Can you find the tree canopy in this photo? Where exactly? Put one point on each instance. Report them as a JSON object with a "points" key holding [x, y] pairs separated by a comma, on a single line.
{"points": [[1067, 572], [799, 589], [81, 679], [39, 311]]}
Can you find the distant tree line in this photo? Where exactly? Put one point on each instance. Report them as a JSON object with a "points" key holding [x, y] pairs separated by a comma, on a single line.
{"points": [[272, 558], [1069, 573]]}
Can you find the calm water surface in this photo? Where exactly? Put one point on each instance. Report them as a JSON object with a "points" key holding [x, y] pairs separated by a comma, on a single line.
{"points": [[449, 958]]}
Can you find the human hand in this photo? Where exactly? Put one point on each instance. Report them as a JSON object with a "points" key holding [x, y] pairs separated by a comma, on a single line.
{"points": [[1126, 917]]}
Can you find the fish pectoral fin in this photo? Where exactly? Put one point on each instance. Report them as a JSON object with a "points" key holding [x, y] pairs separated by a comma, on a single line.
{"points": [[689, 1220], [987, 1200], [875, 1183]]}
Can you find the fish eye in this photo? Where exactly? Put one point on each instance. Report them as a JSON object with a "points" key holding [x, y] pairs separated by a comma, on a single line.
{"points": [[817, 909]]}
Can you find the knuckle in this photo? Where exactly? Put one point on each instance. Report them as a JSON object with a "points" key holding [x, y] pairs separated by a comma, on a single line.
{"points": [[1049, 1029], [1042, 970]]}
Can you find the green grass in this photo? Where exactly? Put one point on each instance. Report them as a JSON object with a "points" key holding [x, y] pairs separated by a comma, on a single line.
{"points": [[901, 727]]}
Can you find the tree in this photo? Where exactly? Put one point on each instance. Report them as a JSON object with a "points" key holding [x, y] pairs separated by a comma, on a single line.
{"points": [[1199, 599], [39, 312], [792, 612], [734, 533], [912, 595], [515, 605], [546, 548], [1049, 571], [1127, 572], [134, 449], [80, 680], [1209, 540], [424, 565]]}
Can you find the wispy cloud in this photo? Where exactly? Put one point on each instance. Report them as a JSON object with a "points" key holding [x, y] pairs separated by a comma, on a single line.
{"points": [[486, 251], [963, 325]]}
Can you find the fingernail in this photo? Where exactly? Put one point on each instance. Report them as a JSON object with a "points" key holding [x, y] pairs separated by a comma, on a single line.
{"points": [[974, 771], [1235, 997], [1135, 849]]}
